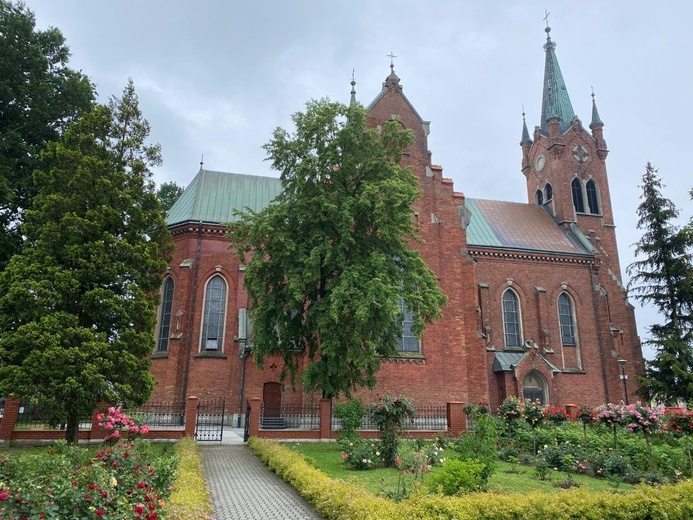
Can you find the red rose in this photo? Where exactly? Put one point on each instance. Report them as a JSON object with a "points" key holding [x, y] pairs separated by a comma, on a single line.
{"points": [[100, 512]]}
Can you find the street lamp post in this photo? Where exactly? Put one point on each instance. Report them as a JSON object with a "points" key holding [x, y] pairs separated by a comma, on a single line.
{"points": [[624, 377]]}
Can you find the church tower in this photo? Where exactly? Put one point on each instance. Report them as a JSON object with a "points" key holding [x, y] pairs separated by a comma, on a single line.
{"points": [[565, 164]]}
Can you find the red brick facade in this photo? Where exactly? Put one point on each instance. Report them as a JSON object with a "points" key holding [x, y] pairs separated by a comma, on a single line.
{"points": [[458, 358]]}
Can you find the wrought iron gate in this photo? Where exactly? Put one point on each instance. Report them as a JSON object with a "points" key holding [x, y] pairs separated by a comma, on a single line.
{"points": [[209, 425]]}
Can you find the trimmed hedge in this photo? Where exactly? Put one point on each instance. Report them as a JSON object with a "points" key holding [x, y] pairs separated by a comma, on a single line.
{"points": [[190, 498], [339, 500]]}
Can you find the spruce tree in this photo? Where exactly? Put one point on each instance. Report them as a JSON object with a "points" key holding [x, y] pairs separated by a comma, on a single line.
{"points": [[331, 256], [77, 311], [663, 278]]}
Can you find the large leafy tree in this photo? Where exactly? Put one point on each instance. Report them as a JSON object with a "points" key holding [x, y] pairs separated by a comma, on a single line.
{"points": [[664, 278], [168, 194], [77, 311], [39, 97], [329, 261]]}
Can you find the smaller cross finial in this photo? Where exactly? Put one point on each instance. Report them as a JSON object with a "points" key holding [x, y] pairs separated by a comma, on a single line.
{"points": [[353, 71], [546, 17], [523, 112], [592, 87], [392, 60], [202, 160]]}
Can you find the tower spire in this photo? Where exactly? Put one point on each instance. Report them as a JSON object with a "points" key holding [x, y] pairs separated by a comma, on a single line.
{"points": [[555, 100], [596, 120], [353, 89], [525, 133]]}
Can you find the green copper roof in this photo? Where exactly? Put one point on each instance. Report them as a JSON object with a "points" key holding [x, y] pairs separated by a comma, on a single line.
{"points": [[507, 361], [521, 227], [555, 101], [212, 197]]}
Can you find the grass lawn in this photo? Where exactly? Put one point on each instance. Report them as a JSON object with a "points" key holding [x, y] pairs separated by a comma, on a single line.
{"points": [[508, 478]]}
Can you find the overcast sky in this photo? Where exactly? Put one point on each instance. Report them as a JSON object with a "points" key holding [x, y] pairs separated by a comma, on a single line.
{"points": [[216, 77]]}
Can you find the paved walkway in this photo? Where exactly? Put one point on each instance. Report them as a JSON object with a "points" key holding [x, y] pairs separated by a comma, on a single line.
{"points": [[244, 488]]}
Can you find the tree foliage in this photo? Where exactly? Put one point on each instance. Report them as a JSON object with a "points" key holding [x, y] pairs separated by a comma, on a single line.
{"points": [[77, 310], [331, 256], [664, 278], [168, 194], [39, 97]]}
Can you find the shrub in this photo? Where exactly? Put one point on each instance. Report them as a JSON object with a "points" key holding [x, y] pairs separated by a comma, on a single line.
{"points": [[190, 498], [350, 414], [458, 476], [120, 481], [390, 414], [481, 445], [361, 454]]}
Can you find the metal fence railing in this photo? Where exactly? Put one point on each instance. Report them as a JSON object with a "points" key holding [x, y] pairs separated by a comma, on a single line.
{"points": [[290, 416], [428, 417], [34, 415], [160, 414]]}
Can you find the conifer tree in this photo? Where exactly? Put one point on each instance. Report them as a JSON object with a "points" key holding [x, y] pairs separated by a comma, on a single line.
{"points": [[77, 310], [331, 256], [664, 278]]}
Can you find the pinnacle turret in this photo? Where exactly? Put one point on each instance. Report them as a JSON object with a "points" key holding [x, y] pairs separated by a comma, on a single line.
{"points": [[525, 133], [353, 89], [596, 120]]}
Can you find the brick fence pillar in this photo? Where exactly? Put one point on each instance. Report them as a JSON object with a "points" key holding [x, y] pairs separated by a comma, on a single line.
{"points": [[457, 419], [190, 415], [325, 418], [254, 419], [9, 419]]}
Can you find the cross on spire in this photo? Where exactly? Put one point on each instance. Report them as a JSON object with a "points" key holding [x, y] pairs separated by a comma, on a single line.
{"points": [[546, 17], [392, 60]]}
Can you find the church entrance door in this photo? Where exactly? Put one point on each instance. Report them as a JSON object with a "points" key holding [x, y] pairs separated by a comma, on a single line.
{"points": [[271, 399]]}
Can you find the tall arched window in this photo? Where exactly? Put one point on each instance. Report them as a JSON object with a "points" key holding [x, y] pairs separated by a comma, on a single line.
{"points": [[165, 315], [540, 197], [408, 341], [548, 189], [511, 319], [592, 197], [578, 201], [566, 317], [214, 314]]}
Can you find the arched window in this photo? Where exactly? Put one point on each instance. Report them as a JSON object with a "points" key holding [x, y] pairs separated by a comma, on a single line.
{"points": [[214, 314], [592, 197], [165, 315], [511, 319], [578, 201], [566, 317], [540, 197], [548, 189], [408, 341]]}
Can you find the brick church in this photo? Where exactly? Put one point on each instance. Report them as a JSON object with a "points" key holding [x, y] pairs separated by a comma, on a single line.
{"points": [[536, 305]]}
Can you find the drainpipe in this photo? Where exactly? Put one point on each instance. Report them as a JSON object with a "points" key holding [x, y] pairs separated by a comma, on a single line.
{"points": [[244, 356], [599, 334], [193, 308]]}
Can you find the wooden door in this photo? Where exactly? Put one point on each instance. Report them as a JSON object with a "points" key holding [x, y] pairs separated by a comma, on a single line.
{"points": [[272, 399]]}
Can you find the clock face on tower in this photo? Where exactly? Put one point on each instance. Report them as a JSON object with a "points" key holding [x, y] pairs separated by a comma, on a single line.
{"points": [[580, 154], [539, 163]]}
